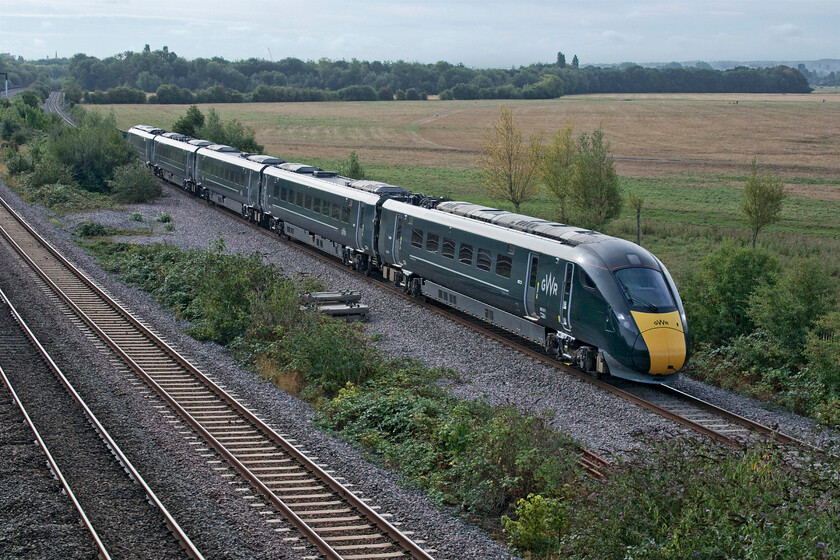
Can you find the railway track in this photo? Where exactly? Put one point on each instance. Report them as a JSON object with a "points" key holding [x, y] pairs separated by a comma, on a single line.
{"points": [[337, 523], [53, 105], [694, 413], [117, 519]]}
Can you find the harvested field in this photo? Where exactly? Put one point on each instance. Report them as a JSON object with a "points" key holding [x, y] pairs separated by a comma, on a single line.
{"points": [[652, 135]]}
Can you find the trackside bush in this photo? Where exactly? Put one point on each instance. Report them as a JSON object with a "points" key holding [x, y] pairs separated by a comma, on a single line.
{"points": [[717, 296], [540, 525], [133, 183]]}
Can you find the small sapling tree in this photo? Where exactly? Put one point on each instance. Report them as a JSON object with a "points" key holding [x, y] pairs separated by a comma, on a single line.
{"points": [[762, 202], [508, 162], [636, 202]]}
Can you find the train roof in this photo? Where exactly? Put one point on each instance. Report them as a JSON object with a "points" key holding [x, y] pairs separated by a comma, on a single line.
{"points": [[563, 233], [147, 129], [222, 148], [268, 160], [600, 250], [301, 168], [336, 184], [176, 136], [377, 187]]}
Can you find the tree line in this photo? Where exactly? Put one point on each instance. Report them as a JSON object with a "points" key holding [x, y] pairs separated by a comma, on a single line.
{"points": [[125, 77]]}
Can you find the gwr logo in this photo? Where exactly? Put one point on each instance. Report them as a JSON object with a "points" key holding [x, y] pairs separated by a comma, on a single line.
{"points": [[549, 285], [661, 322]]}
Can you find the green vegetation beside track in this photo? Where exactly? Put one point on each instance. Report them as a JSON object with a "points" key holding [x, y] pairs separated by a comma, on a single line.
{"points": [[513, 475]]}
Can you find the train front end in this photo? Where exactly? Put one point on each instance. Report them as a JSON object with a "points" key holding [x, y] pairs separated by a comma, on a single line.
{"points": [[649, 336]]}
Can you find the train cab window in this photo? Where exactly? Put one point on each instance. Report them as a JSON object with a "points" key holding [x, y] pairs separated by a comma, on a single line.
{"points": [[465, 254], [345, 214], [417, 237], [483, 259], [645, 289], [432, 242], [299, 198], [586, 281], [316, 204], [325, 208], [504, 264], [448, 248]]}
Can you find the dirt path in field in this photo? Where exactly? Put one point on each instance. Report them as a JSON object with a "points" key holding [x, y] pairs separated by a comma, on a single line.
{"points": [[418, 138]]}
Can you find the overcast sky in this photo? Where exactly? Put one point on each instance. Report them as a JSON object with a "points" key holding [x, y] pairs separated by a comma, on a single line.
{"points": [[485, 34]]}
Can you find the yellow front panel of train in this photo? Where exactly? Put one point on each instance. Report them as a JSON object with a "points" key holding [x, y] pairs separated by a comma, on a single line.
{"points": [[665, 338]]}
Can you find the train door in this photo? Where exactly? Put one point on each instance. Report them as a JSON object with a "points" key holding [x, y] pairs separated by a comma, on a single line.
{"points": [[531, 288], [360, 226], [566, 305], [397, 239]]}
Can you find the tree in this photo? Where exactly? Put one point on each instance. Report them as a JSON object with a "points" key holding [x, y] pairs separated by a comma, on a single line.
{"points": [[762, 202], [636, 202], [561, 60], [352, 168], [557, 167], [575, 62], [190, 123], [595, 195], [509, 163]]}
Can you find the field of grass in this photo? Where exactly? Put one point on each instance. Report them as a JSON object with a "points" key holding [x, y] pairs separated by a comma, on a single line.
{"points": [[687, 155]]}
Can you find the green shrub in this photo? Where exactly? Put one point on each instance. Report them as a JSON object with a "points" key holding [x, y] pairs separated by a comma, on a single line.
{"points": [[163, 218], [16, 162], [787, 309], [352, 168], [64, 199], [717, 296], [539, 527], [92, 229], [466, 453], [92, 151], [133, 183], [687, 498], [137, 216], [48, 172]]}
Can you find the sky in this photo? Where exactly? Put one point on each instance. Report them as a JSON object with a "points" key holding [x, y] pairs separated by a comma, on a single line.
{"points": [[477, 33]]}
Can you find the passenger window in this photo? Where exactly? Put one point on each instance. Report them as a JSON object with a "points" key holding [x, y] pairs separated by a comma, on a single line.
{"points": [[316, 205], [299, 198], [284, 194], [432, 242], [417, 238], [465, 254], [483, 259], [345, 214], [503, 266], [336, 211], [307, 202], [276, 191], [325, 208], [448, 248]]}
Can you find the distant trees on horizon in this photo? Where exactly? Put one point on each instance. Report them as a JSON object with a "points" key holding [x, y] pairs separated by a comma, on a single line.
{"points": [[126, 77]]}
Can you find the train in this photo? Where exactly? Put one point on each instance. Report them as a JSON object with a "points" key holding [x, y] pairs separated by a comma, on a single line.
{"points": [[600, 303]]}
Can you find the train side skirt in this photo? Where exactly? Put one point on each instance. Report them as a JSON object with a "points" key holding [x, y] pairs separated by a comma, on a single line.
{"points": [[502, 319]]}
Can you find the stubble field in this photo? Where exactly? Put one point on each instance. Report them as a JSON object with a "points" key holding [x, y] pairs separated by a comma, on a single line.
{"points": [[687, 155]]}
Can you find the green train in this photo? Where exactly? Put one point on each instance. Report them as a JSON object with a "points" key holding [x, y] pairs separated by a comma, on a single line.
{"points": [[602, 303]]}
